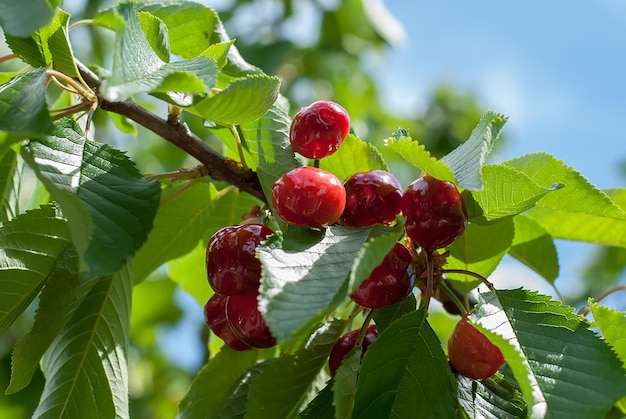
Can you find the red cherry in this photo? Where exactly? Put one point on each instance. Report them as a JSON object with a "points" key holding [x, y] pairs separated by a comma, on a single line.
{"points": [[247, 322], [215, 318], [344, 345], [371, 198], [319, 129], [388, 283], [231, 265], [434, 211], [470, 352], [309, 197]]}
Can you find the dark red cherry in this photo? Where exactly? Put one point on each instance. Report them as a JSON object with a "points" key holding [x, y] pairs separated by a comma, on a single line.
{"points": [[470, 352], [215, 318], [247, 322], [345, 343], [389, 282], [372, 197], [319, 129], [309, 197], [231, 265], [434, 211]]}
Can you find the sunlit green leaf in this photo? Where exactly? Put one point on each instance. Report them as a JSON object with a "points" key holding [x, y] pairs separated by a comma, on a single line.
{"points": [[86, 365], [302, 274], [109, 205], [26, 16], [467, 160], [278, 390], [612, 324], [156, 34], [578, 211], [492, 398], [353, 156], [533, 246], [405, 373], [30, 246], [560, 364]]}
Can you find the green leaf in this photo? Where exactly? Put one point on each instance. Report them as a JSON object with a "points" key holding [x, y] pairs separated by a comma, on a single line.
{"points": [[137, 68], [48, 46], [180, 223], [213, 382], [467, 160], [278, 391], [534, 247], [612, 324], [234, 404], [416, 154], [385, 316], [303, 272], [354, 156], [405, 374], [344, 386], [156, 34], [30, 245], [23, 109], [10, 182], [109, 206], [26, 16], [154, 304], [243, 100], [492, 398], [61, 295], [507, 192], [373, 252], [562, 367], [321, 407], [578, 211], [86, 365], [479, 249]]}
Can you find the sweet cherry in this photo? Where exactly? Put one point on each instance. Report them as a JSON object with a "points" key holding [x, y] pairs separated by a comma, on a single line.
{"points": [[309, 197], [389, 282], [231, 265], [215, 318], [345, 343], [319, 129], [434, 211], [247, 322], [371, 198], [470, 352]]}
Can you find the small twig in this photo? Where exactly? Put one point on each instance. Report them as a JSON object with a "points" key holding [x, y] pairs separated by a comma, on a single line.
{"points": [[242, 158], [586, 309], [70, 110], [470, 273], [79, 89], [8, 57], [363, 331]]}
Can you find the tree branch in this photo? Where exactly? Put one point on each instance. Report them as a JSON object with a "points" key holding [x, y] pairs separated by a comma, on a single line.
{"points": [[216, 166]]}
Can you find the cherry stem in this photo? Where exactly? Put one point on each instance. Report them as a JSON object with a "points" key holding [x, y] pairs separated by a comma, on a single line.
{"points": [[470, 273], [430, 276], [233, 129], [8, 57], [586, 309], [366, 322], [316, 163], [445, 288], [84, 92]]}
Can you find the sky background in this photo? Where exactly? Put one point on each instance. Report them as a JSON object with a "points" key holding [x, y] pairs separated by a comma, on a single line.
{"points": [[557, 69]]}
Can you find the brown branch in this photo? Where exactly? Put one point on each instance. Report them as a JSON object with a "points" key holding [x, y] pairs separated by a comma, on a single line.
{"points": [[217, 167]]}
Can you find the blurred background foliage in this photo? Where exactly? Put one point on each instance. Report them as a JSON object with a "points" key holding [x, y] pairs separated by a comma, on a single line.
{"points": [[322, 49]]}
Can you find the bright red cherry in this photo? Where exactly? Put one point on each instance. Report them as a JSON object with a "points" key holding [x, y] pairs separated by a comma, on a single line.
{"points": [[309, 197], [215, 318], [231, 265], [344, 345], [371, 198], [319, 129], [247, 322], [470, 352], [434, 211], [389, 282]]}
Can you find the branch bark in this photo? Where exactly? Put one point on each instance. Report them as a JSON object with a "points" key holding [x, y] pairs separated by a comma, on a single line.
{"points": [[177, 133]]}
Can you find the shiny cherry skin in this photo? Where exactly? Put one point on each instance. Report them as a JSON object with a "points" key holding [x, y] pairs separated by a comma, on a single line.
{"points": [[470, 352], [231, 265], [372, 197], [215, 318], [319, 129], [389, 282], [435, 213], [345, 343], [247, 322], [309, 197]]}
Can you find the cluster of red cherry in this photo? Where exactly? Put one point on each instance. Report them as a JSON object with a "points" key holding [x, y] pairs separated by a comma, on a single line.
{"points": [[312, 197]]}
